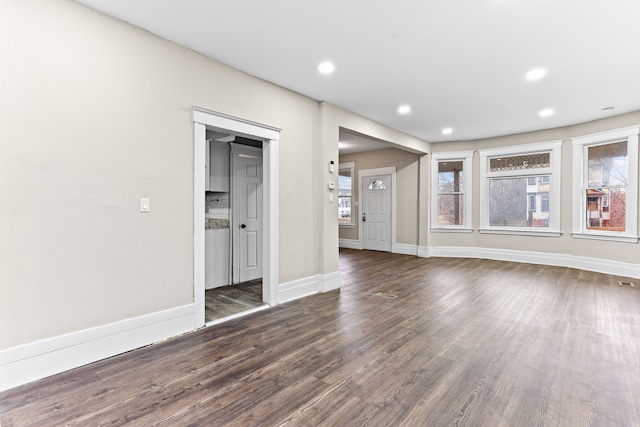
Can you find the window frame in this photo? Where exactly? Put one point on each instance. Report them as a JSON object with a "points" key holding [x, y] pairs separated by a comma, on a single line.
{"points": [[351, 167], [581, 145], [554, 148], [466, 157]]}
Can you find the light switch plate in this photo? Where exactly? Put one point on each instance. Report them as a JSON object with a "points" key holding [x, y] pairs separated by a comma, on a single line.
{"points": [[144, 205]]}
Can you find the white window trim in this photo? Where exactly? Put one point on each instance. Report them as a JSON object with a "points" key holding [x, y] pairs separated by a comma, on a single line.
{"points": [[580, 146], [352, 167], [466, 157], [555, 148]]}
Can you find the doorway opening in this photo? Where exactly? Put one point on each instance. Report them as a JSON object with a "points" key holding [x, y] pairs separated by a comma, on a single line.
{"points": [[233, 226], [264, 238]]}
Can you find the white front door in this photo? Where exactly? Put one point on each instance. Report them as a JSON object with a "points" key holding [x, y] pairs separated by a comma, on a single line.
{"points": [[247, 213], [375, 218]]}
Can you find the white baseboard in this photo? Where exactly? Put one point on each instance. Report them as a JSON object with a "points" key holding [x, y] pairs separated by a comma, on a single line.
{"points": [[298, 288], [350, 244], [396, 248], [308, 286], [598, 265], [404, 249], [330, 282], [30, 362], [424, 251]]}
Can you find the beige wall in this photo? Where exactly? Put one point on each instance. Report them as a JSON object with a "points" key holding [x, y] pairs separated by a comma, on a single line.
{"points": [[96, 114], [332, 119], [407, 176], [564, 244]]}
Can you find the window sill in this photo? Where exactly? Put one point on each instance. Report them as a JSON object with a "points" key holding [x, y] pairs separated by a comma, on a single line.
{"points": [[346, 225], [623, 239], [519, 232], [451, 230]]}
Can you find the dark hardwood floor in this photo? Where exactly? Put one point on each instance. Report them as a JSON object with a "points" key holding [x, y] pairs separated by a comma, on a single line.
{"points": [[233, 299], [464, 342]]}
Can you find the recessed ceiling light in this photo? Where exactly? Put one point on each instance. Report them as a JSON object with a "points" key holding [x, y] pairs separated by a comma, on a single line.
{"points": [[326, 68], [546, 112], [447, 131], [404, 109], [536, 74]]}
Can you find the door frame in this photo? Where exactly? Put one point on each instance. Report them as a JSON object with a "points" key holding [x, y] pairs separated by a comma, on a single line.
{"points": [[373, 172], [204, 119]]}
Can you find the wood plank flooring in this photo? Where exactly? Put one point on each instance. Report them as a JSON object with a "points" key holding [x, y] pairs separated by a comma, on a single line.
{"points": [[465, 342], [233, 299]]}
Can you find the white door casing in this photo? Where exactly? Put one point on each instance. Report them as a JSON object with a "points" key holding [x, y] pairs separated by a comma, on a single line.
{"points": [[204, 119], [247, 212]]}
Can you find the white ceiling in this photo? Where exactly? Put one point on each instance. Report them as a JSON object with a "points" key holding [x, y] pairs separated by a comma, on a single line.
{"points": [[350, 143], [457, 63]]}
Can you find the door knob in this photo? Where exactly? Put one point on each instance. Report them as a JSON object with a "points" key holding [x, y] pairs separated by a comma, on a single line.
{"points": [[243, 226], [364, 217]]}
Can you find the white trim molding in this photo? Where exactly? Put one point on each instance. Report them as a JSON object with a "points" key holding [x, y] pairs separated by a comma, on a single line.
{"points": [[618, 268], [424, 251], [581, 145], [204, 119], [30, 362], [350, 244], [351, 166], [466, 157], [396, 248], [329, 282], [405, 249], [554, 148], [298, 288], [308, 286]]}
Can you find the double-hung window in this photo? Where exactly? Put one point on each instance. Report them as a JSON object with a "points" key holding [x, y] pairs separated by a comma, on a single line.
{"points": [[451, 190], [605, 185], [345, 194], [520, 189]]}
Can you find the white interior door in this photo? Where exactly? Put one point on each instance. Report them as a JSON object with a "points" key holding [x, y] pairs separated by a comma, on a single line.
{"points": [[247, 213], [375, 218]]}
